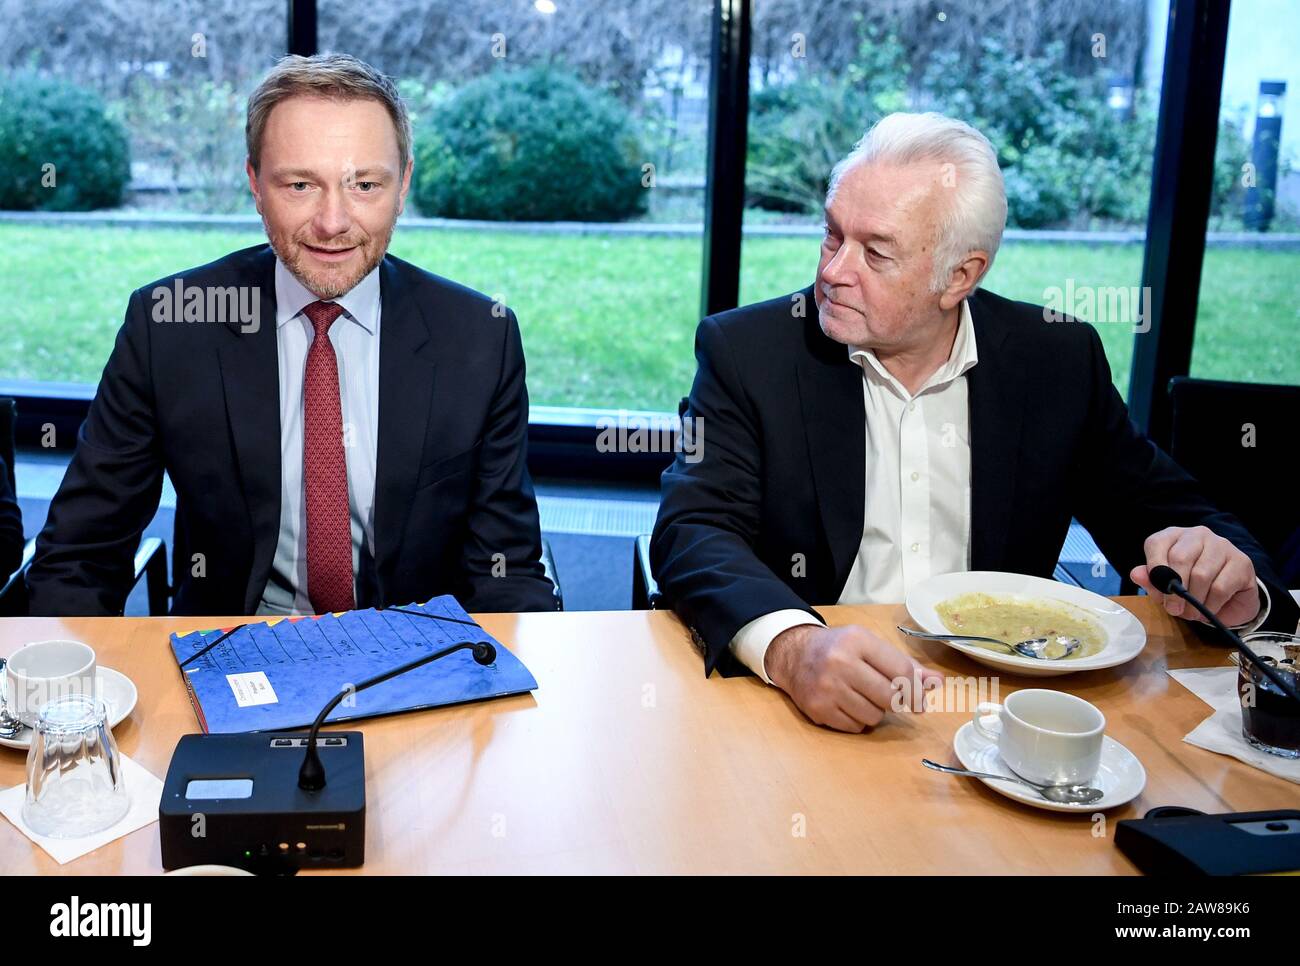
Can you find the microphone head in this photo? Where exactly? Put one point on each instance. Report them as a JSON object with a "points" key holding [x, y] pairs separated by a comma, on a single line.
{"points": [[484, 653], [311, 776], [1164, 579]]}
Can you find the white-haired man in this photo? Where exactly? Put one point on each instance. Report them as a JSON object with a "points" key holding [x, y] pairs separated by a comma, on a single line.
{"points": [[908, 424]]}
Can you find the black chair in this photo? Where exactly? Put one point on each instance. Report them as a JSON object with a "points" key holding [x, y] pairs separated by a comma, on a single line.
{"points": [[150, 558], [8, 420], [548, 563], [645, 589], [12, 602], [1238, 439]]}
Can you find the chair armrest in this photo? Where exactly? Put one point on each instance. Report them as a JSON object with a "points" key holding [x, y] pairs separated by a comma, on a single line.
{"points": [[151, 564], [13, 595], [645, 590], [548, 564]]}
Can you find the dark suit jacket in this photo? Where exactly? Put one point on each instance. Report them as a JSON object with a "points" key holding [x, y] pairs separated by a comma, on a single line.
{"points": [[201, 401], [784, 452]]}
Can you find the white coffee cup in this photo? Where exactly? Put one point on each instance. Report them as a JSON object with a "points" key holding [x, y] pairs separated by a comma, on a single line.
{"points": [[40, 672], [1048, 737]]}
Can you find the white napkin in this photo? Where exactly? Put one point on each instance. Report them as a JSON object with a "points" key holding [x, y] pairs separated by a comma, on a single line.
{"points": [[1221, 731], [143, 788]]}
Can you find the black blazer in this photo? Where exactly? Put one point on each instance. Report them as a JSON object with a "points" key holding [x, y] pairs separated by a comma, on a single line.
{"points": [[784, 450], [201, 401]]}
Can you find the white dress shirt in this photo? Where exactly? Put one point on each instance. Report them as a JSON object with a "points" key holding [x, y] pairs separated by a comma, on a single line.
{"points": [[355, 338], [916, 518]]}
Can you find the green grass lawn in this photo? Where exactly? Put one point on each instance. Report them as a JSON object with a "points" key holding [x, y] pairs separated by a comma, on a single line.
{"points": [[608, 320]]}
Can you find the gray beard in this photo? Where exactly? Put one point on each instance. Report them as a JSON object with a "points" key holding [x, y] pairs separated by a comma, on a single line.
{"points": [[319, 286]]}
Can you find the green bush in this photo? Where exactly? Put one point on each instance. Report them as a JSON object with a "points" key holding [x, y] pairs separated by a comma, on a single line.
{"points": [[528, 145], [1040, 187], [800, 129], [797, 132], [192, 133], [46, 121], [1066, 158], [1231, 152]]}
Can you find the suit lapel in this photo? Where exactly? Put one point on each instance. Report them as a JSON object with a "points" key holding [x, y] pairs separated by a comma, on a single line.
{"points": [[406, 379], [996, 398], [250, 378], [834, 416]]}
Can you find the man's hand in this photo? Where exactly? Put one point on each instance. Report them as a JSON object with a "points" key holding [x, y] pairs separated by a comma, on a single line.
{"points": [[1210, 567], [842, 677]]}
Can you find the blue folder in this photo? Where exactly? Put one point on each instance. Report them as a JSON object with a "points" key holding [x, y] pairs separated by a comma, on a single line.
{"points": [[278, 675]]}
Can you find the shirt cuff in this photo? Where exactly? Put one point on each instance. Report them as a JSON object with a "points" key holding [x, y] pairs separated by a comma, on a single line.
{"points": [[752, 641], [1265, 606]]}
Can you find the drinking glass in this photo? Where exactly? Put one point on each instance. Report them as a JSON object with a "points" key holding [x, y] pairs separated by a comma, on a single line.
{"points": [[1270, 720], [74, 771]]}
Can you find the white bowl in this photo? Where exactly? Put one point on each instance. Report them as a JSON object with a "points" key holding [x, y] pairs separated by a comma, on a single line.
{"points": [[1125, 635]]}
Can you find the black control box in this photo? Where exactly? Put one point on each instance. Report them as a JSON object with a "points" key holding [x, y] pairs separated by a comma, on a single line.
{"points": [[234, 800]]}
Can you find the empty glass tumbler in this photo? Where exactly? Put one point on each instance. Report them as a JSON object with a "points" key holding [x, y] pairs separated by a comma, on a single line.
{"points": [[74, 771]]}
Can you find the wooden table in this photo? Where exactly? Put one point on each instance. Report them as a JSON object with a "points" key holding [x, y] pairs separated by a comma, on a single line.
{"points": [[626, 759]]}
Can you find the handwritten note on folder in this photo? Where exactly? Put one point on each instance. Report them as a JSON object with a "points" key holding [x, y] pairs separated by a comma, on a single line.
{"points": [[279, 674]]}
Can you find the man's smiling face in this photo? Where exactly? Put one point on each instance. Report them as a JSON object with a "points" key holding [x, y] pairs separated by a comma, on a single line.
{"points": [[329, 188]]}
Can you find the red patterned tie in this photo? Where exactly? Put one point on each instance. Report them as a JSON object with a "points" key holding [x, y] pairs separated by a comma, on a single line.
{"points": [[325, 469]]}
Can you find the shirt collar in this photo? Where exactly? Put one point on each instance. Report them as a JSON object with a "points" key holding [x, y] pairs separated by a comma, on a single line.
{"points": [[961, 359], [360, 303]]}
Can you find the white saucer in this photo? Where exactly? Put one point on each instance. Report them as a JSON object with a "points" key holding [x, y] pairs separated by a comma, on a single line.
{"points": [[1125, 635], [117, 690], [1121, 776]]}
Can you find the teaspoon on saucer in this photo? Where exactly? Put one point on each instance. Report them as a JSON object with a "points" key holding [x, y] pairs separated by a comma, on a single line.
{"points": [[1067, 794]]}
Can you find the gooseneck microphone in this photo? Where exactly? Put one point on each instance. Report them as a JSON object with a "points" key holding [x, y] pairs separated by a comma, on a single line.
{"points": [[311, 777], [1167, 581]]}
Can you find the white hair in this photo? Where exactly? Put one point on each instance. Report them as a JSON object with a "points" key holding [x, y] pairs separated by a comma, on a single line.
{"points": [[977, 214]]}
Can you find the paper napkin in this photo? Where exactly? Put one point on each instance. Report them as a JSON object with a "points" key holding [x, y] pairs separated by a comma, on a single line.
{"points": [[1221, 731], [143, 788]]}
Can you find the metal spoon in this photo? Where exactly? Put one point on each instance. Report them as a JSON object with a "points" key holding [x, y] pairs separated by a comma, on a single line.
{"points": [[1035, 647], [10, 726], [1066, 794]]}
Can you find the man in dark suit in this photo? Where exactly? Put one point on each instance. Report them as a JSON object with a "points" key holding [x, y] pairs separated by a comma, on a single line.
{"points": [[341, 428], [891, 422]]}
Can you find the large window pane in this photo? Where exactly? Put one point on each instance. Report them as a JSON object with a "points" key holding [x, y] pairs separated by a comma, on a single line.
{"points": [[1066, 91], [608, 305], [1248, 313], [173, 80], [591, 115]]}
